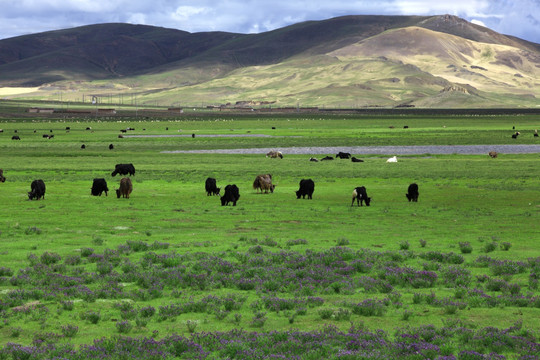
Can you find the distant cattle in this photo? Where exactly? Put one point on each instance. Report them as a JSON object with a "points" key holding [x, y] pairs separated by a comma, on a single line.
{"points": [[360, 195], [130, 128], [343, 155], [193, 135], [1, 130], [515, 135], [264, 182], [45, 135], [232, 194], [15, 137], [68, 128], [88, 128], [37, 190], [211, 187], [406, 127], [313, 159], [327, 158], [83, 146], [2, 178], [353, 159], [120, 136], [535, 133], [51, 136], [111, 146], [123, 169], [493, 154], [412, 192], [307, 186], [126, 187], [274, 154], [393, 159], [123, 130], [98, 187]]}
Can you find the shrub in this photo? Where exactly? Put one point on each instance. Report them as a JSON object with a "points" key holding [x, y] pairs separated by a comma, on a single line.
{"points": [[342, 242], [69, 330], [86, 252], [124, 327], [67, 305], [465, 247], [505, 246], [147, 311], [326, 314], [404, 245], [489, 247], [191, 325], [49, 258], [258, 319], [422, 243]]}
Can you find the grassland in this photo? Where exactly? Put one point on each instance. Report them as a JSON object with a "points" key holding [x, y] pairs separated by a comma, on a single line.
{"points": [[273, 262]]}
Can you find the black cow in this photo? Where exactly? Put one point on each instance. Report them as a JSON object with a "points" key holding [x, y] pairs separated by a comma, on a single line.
{"points": [[123, 169], [343, 155], [327, 158], [307, 186], [232, 194], [211, 187], [38, 190], [15, 137], [99, 186], [2, 178], [360, 195], [353, 159], [412, 192]]}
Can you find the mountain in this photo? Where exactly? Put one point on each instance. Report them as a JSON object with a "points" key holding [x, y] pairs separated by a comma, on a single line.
{"points": [[350, 61]]}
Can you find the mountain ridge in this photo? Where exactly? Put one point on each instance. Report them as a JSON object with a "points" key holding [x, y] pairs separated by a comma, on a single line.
{"points": [[426, 54]]}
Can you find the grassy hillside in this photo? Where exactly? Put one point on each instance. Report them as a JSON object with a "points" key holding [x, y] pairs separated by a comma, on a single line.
{"points": [[351, 61]]}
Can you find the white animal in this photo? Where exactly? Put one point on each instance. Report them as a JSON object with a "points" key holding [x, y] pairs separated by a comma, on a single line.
{"points": [[392, 159]]}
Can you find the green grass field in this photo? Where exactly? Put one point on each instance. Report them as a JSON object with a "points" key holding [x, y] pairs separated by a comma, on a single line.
{"points": [[73, 254]]}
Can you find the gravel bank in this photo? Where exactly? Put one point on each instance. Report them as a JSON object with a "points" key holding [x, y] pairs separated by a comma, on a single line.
{"points": [[381, 150]]}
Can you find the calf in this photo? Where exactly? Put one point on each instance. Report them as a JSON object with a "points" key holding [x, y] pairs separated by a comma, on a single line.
{"points": [[264, 182], [232, 194], [412, 192], [343, 155], [125, 188], [98, 187], [360, 195], [211, 187], [123, 169], [274, 154], [307, 186], [37, 190]]}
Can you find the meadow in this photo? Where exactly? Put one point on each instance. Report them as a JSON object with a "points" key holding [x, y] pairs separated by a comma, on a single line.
{"points": [[170, 273]]}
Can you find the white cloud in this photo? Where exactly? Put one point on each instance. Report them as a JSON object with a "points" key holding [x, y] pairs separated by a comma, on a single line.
{"points": [[478, 22]]}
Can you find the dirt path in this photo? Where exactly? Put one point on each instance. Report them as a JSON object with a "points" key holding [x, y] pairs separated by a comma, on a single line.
{"points": [[382, 150]]}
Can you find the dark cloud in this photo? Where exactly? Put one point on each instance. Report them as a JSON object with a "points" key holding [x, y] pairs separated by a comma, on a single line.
{"points": [[19, 17]]}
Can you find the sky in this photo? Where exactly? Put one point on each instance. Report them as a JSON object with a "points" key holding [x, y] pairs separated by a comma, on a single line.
{"points": [[519, 18]]}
